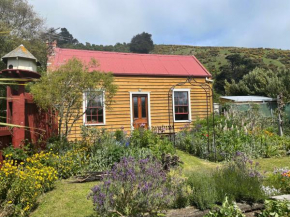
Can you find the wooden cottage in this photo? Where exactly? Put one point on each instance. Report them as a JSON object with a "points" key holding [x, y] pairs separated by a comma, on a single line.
{"points": [[154, 91]]}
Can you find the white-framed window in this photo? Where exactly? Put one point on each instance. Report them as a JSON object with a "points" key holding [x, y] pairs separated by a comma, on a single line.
{"points": [[181, 105], [94, 108]]}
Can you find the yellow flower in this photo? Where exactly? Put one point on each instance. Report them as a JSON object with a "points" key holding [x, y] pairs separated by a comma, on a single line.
{"points": [[9, 202]]}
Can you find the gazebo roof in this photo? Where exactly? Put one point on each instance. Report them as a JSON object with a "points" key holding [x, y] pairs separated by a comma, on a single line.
{"points": [[20, 51]]}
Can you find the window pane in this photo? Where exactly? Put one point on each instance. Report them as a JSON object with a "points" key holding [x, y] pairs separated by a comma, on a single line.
{"points": [[176, 109], [135, 101], [181, 105], [100, 112], [94, 107], [101, 119], [183, 98], [94, 119], [97, 101], [176, 94], [181, 117], [94, 111], [88, 112], [143, 102]]}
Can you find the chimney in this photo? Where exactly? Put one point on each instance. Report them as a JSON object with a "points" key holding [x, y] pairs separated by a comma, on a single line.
{"points": [[51, 46]]}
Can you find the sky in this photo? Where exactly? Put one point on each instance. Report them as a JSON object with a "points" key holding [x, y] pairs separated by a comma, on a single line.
{"points": [[240, 23]]}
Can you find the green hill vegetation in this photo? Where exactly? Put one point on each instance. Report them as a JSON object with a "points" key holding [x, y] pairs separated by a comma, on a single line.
{"points": [[215, 57]]}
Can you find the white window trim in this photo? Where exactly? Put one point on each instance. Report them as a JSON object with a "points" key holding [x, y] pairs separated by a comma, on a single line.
{"points": [[148, 104], [84, 110], [189, 106]]}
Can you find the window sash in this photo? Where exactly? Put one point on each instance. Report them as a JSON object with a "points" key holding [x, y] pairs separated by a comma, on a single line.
{"points": [[181, 100], [94, 108]]}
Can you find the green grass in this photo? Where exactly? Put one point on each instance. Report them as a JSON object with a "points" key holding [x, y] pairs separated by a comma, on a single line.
{"points": [[269, 164], [66, 200], [194, 164]]}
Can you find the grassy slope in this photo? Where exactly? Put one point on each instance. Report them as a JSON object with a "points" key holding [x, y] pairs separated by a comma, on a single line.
{"points": [[69, 199], [213, 57], [66, 200], [269, 164]]}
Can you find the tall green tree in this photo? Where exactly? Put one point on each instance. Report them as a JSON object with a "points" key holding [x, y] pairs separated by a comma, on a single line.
{"points": [[261, 82], [62, 90], [237, 67], [20, 24], [65, 38], [141, 43]]}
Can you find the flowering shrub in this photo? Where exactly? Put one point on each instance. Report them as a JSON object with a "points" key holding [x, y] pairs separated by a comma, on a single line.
{"points": [[270, 191], [235, 131], [132, 188], [240, 180], [21, 184], [203, 190], [72, 162], [280, 179]]}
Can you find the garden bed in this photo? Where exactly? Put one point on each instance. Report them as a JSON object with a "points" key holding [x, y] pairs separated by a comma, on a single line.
{"points": [[249, 210]]}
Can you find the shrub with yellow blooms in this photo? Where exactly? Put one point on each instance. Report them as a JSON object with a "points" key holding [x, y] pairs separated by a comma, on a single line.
{"points": [[21, 183]]}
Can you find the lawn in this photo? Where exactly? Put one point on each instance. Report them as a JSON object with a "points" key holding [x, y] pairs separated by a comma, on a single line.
{"points": [[70, 199], [66, 200], [269, 164], [192, 164]]}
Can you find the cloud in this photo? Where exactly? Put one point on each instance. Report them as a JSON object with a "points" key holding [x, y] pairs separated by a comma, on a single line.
{"points": [[246, 23]]}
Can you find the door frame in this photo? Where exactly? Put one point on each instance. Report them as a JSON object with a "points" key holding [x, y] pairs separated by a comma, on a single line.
{"points": [[148, 104]]}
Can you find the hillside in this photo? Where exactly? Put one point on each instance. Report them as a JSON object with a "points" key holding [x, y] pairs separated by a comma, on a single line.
{"points": [[215, 57]]}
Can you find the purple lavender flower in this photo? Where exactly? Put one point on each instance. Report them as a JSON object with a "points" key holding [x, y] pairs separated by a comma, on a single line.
{"points": [[143, 181]]}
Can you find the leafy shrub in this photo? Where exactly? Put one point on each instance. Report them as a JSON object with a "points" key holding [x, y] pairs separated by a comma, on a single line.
{"points": [[120, 135], [19, 154], [276, 208], [132, 188], [239, 180], [227, 209], [204, 193], [179, 187], [280, 179], [147, 139]]}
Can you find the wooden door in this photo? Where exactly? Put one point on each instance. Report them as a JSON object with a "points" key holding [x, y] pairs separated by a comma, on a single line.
{"points": [[140, 110]]}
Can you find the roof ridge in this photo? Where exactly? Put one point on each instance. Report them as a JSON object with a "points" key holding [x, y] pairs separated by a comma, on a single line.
{"points": [[124, 53], [199, 63]]}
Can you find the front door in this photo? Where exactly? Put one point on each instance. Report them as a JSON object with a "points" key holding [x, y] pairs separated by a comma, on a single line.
{"points": [[140, 111]]}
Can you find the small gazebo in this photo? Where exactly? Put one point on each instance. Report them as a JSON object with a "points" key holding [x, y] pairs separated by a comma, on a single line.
{"points": [[21, 68]]}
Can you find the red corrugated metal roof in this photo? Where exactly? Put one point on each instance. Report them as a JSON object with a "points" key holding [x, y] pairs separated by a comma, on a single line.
{"points": [[135, 64]]}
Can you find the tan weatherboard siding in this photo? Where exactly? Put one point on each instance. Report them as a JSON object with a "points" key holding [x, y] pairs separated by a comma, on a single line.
{"points": [[118, 114]]}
